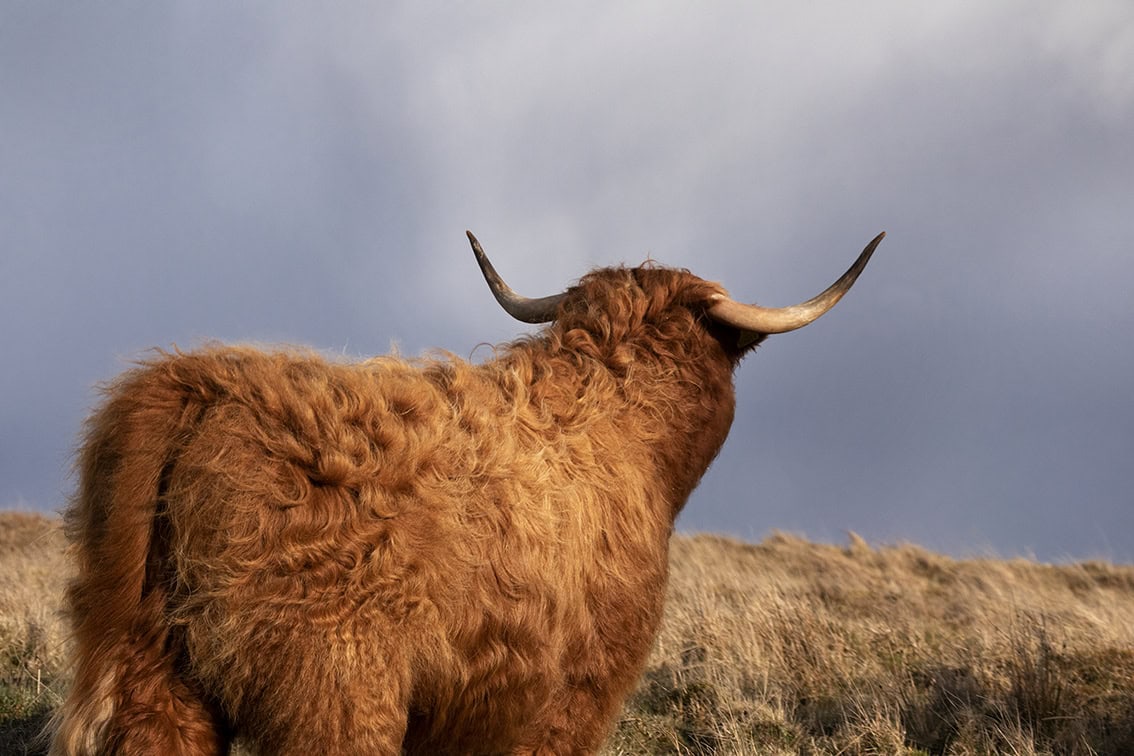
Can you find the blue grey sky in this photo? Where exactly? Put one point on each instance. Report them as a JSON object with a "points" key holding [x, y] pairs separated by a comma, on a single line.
{"points": [[172, 173]]}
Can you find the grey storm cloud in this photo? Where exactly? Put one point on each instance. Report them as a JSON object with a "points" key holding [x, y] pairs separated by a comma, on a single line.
{"points": [[181, 172]]}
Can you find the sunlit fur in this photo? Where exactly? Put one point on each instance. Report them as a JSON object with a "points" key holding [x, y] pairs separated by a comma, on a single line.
{"points": [[434, 556]]}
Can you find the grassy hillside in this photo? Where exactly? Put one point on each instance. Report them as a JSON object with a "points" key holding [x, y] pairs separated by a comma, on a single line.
{"points": [[792, 647], [32, 634], [784, 647]]}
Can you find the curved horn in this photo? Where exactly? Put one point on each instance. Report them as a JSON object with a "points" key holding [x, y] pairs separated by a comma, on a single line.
{"points": [[540, 310], [768, 320]]}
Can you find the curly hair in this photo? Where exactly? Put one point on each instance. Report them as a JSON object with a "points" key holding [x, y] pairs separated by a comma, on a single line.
{"points": [[392, 556]]}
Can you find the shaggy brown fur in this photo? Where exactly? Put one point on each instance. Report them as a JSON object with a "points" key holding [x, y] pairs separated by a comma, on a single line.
{"points": [[431, 557]]}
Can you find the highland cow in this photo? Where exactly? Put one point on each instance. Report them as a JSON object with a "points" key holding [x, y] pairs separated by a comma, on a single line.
{"points": [[399, 557]]}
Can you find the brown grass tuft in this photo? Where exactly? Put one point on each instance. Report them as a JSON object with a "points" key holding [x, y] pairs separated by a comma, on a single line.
{"points": [[33, 572], [794, 647]]}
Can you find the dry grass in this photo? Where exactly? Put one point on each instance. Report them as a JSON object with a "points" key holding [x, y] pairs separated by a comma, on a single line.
{"points": [[792, 647], [785, 647], [33, 571]]}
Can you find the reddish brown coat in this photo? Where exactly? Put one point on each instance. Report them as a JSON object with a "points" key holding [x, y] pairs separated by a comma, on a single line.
{"points": [[443, 557]]}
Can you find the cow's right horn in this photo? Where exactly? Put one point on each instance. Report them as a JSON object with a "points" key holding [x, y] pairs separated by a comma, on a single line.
{"points": [[751, 318]]}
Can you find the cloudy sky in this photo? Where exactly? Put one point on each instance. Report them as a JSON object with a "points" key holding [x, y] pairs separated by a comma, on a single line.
{"points": [[177, 172]]}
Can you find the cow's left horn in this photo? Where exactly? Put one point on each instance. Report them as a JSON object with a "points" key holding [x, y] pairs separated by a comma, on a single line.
{"points": [[767, 320], [540, 310]]}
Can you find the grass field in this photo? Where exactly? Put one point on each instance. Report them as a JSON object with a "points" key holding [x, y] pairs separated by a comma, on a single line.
{"points": [[785, 647]]}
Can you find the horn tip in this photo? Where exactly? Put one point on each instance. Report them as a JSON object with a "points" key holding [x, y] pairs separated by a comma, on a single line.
{"points": [[869, 250], [477, 249]]}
